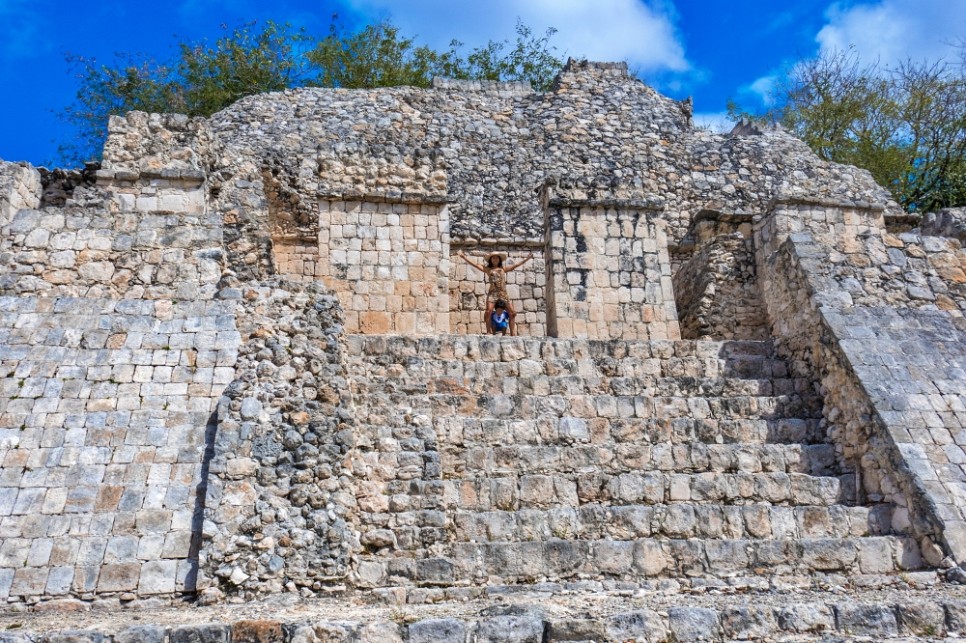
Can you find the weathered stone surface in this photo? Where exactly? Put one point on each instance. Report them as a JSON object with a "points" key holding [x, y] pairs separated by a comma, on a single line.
{"points": [[257, 632], [437, 630], [576, 630], [516, 624], [748, 622], [804, 618], [212, 633], [141, 634], [643, 625], [866, 620], [694, 624], [922, 619]]}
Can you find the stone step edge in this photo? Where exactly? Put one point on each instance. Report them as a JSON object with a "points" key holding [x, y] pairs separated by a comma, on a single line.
{"points": [[527, 622], [360, 344]]}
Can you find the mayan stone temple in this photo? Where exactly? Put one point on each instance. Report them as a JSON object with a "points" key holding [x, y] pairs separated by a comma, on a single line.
{"points": [[246, 392]]}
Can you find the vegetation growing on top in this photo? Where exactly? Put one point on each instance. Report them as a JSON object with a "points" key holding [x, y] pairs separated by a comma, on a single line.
{"points": [[203, 77], [905, 124]]}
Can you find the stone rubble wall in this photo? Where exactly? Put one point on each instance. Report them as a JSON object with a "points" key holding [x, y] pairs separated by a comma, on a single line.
{"points": [[168, 146], [888, 372], [490, 148], [280, 494], [100, 252], [20, 187], [948, 222], [59, 184], [905, 271], [716, 291]]}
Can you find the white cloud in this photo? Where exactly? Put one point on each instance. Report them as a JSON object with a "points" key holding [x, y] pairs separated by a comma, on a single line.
{"points": [[764, 88], [892, 30], [718, 122], [639, 32]]}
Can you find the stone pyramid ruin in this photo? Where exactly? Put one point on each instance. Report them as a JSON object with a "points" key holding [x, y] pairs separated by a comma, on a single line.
{"points": [[246, 392]]}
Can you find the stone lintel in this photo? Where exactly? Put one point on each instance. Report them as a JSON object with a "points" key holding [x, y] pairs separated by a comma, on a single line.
{"points": [[410, 198], [711, 214], [824, 203], [189, 176], [489, 242], [654, 204]]}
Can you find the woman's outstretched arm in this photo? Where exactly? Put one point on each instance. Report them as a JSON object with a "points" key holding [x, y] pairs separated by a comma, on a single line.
{"points": [[467, 260], [515, 266]]}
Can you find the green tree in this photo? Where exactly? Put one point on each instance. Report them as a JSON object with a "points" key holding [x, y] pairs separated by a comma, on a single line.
{"points": [[529, 58], [203, 78], [378, 56], [906, 125]]}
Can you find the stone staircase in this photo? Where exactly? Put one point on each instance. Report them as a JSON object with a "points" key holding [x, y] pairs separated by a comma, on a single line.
{"points": [[508, 461]]}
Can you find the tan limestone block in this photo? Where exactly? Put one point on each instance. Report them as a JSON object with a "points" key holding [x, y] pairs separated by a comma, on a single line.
{"points": [[374, 322]]}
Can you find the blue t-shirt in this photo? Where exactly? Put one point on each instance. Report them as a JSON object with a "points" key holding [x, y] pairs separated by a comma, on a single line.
{"points": [[500, 321]]}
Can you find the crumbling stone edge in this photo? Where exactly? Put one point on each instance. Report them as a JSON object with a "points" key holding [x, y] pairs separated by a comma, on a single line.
{"points": [[523, 623]]}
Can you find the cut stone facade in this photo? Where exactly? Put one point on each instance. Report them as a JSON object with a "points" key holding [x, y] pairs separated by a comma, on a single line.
{"points": [[248, 360], [610, 275], [387, 261]]}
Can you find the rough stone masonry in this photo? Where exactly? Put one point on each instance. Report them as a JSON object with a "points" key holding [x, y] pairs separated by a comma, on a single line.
{"points": [[246, 361]]}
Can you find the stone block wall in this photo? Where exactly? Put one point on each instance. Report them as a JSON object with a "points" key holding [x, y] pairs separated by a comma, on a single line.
{"points": [[388, 263], [609, 275], [105, 404], [279, 496], [115, 352], [526, 287]]}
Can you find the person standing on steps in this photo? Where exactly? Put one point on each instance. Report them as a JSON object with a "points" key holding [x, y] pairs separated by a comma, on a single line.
{"points": [[496, 275]]}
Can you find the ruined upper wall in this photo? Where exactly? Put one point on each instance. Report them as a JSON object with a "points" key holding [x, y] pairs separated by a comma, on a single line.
{"points": [[489, 147]]}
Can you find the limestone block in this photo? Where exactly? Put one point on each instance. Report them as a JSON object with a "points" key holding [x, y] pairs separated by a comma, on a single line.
{"points": [[866, 620], [209, 633], [693, 624], [437, 631]]}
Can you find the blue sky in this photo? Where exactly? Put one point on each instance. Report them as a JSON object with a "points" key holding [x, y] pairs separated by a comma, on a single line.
{"points": [[712, 50]]}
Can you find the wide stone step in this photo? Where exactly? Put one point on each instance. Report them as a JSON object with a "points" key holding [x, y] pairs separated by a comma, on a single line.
{"points": [[509, 349], [561, 429], [464, 445], [524, 562], [922, 609], [429, 365], [523, 407], [413, 530], [493, 460], [678, 520], [543, 491], [569, 384]]}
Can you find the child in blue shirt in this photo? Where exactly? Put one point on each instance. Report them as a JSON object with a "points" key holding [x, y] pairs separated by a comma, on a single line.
{"points": [[499, 318]]}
